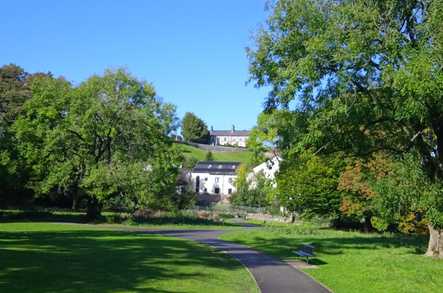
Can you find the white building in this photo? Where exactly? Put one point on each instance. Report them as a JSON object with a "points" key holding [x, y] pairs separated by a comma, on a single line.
{"points": [[214, 178], [269, 169], [229, 137]]}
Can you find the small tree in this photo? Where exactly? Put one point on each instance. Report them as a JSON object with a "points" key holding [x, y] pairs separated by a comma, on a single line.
{"points": [[194, 129], [209, 156], [252, 192]]}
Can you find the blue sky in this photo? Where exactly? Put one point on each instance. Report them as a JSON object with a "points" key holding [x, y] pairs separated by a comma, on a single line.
{"points": [[193, 51]]}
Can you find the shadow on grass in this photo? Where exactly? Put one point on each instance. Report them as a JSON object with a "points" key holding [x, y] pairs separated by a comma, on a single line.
{"points": [[102, 261], [80, 217], [284, 247]]}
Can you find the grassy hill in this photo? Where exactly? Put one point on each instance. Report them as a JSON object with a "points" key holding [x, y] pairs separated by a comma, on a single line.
{"points": [[199, 154]]}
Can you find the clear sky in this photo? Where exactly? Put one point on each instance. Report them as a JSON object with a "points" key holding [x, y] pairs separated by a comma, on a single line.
{"points": [[193, 51]]}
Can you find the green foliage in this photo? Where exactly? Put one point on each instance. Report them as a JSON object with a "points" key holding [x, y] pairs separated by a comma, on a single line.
{"points": [[309, 186], [105, 138], [251, 192], [406, 191], [209, 156], [360, 77], [14, 91], [196, 154], [262, 137], [194, 129]]}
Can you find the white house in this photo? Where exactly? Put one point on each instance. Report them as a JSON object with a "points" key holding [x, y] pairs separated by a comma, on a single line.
{"points": [[214, 178], [229, 137], [269, 169]]}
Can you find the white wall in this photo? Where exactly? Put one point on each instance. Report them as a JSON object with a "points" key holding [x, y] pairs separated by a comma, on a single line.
{"points": [[269, 169], [232, 140], [208, 183]]}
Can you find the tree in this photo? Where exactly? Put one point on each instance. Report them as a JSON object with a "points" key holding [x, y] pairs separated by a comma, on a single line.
{"points": [[102, 139], [14, 91], [368, 76], [251, 193], [263, 136], [194, 129], [309, 186], [209, 156]]}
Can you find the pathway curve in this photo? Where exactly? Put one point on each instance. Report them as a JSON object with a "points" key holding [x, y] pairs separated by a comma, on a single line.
{"points": [[272, 275]]}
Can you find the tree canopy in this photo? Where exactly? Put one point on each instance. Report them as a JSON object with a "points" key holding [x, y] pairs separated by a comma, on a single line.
{"points": [[106, 138], [358, 77], [194, 129]]}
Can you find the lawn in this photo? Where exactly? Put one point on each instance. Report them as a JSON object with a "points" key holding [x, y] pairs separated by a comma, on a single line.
{"points": [[199, 154], [50, 257], [353, 261]]}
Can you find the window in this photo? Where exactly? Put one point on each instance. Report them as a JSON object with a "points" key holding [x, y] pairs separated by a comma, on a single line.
{"points": [[229, 190], [206, 178], [217, 179], [230, 180], [217, 190]]}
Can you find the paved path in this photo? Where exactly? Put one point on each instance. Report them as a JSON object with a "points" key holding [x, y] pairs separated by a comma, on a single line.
{"points": [[271, 274]]}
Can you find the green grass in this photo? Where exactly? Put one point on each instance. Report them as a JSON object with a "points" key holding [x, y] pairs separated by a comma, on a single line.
{"points": [[353, 261], [199, 154], [50, 257], [168, 220]]}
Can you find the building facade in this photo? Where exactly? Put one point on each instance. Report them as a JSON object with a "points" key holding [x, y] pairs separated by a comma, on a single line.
{"points": [[214, 178], [268, 169], [229, 137]]}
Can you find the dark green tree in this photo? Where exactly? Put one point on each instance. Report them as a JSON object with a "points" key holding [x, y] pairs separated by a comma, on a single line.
{"points": [[209, 156], [366, 74], [194, 129], [14, 91]]}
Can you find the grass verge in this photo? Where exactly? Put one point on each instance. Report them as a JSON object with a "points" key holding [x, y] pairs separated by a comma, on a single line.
{"points": [[352, 261]]}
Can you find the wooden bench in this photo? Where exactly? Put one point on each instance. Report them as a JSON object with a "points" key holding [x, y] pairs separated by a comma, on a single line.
{"points": [[306, 250]]}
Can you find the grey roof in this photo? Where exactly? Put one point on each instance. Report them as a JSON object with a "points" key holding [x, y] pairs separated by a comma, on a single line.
{"points": [[215, 167], [230, 133]]}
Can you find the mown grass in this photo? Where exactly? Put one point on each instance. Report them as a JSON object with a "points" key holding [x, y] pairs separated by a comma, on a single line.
{"points": [[200, 155], [353, 261], [54, 257], [168, 220]]}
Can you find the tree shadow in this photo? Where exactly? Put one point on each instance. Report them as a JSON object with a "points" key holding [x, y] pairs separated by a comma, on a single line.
{"points": [[284, 247], [104, 261]]}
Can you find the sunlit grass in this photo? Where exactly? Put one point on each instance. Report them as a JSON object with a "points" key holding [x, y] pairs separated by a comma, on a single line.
{"points": [[51, 257], [353, 261]]}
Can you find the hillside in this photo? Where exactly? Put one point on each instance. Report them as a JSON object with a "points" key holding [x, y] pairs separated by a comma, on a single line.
{"points": [[199, 154]]}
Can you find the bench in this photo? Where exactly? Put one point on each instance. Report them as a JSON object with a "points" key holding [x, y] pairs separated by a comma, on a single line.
{"points": [[306, 250]]}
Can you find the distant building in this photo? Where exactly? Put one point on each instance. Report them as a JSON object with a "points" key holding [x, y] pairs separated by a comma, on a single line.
{"points": [[268, 169], [214, 178], [229, 137]]}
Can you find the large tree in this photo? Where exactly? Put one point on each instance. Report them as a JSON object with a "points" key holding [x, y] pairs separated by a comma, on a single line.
{"points": [[194, 129], [14, 91], [367, 75], [107, 137]]}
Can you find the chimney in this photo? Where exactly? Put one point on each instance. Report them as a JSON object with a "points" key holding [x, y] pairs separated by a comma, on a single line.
{"points": [[233, 128]]}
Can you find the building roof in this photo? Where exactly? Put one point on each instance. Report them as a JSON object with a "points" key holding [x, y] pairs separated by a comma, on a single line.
{"points": [[229, 132], [215, 167]]}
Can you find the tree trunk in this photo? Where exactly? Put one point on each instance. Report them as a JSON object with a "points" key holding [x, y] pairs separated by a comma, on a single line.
{"points": [[367, 226], [75, 200], [435, 245], [93, 209]]}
